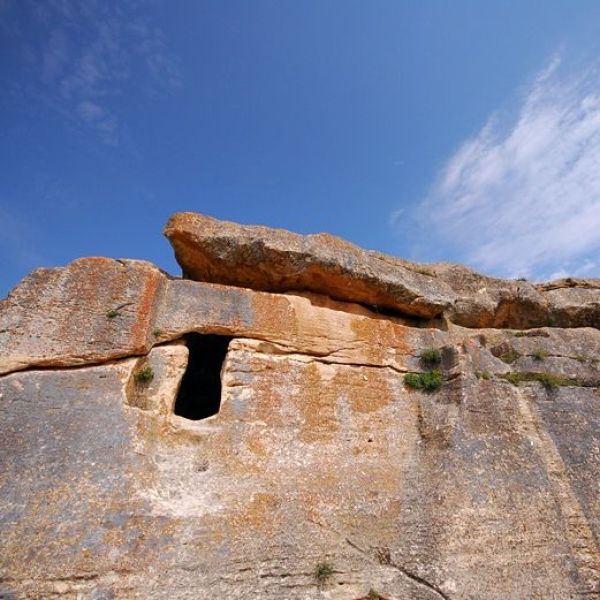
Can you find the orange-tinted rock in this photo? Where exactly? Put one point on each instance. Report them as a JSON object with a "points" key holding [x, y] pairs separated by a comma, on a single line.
{"points": [[217, 441], [99, 309], [276, 260], [94, 310], [480, 490], [517, 304]]}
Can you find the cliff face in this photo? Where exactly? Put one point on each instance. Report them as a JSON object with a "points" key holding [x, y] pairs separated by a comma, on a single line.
{"points": [[249, 431]]}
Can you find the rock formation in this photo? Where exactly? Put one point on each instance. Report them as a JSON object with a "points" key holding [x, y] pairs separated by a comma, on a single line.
{"points": [[297, 418]]}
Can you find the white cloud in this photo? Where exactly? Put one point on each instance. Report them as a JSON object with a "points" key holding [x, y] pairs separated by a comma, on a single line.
{"points": [[395, 217], [88, 55], [90, 112], [522, 197], [55, 55]]}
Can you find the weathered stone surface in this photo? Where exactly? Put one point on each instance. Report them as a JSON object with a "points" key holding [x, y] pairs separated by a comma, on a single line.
{"points": [[314, 451], [295, 323], [573, 303], [60, 317], [276, 260], [482, 490], [70, 517], [489, 302]]}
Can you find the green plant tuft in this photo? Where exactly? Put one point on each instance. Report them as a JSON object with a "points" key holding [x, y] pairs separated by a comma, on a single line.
{"points": [[510, 357], [540, 354], [112, 313], [384, 556], [483, 375], [323, 571], [374, 595], [156, 332], [548, 380], [428, 382], [513, 377], [552, 382], [431, 356], [144, 375]]}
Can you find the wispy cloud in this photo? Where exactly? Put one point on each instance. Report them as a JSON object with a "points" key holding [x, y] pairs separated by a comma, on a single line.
{"points": [[55, 56], [86, 56], [396, 217], [18, 242], [522, 196]]}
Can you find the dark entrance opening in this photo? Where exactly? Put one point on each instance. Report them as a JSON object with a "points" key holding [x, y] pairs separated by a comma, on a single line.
{"points": [[199, 394]]}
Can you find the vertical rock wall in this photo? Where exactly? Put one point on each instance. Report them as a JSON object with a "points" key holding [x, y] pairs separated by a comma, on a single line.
{"points": [[314, 470]]}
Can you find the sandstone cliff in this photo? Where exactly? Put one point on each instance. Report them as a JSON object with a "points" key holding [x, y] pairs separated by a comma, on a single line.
{"points": [[297, 418]]}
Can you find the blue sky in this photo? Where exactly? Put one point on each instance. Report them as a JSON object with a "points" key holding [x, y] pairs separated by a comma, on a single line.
{"points": [[434, 130]]}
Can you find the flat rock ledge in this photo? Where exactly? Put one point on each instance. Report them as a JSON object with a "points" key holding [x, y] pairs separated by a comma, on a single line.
{"points": [[276, 260]]}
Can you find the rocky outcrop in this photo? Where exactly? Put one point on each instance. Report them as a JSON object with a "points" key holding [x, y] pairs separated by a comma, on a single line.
{"points": [[276, 260], [94, 310], [170, 438], [99, 309]]}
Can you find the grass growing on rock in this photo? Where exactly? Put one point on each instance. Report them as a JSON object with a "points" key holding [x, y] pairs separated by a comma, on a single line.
{"points": [[144, 375], [427, 382], [540, 354], [510, 357], [431, 356], [483, 375], [548, 380], [423, 271], [323, 572]]}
